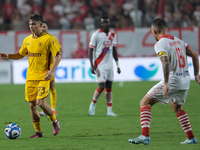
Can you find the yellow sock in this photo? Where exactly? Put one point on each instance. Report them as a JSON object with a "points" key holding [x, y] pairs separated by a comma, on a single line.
{"points": [[53, 98], [37, 126], [52, 117]]}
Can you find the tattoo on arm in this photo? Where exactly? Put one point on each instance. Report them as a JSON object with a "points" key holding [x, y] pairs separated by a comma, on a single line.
{"points": [[166, 70]]}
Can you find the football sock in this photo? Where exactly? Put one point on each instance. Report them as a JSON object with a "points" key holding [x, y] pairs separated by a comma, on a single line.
{"points": [[145, 119], [52, 117], [109, 98], [185, 123], [53, 98], [37, 126], [96, 95]]}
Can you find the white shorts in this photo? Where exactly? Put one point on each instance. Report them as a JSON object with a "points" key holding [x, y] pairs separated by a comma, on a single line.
{"points": [[102, 75], [175, 95]]}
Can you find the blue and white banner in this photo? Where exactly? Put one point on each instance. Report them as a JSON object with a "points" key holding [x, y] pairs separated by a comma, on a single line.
{"points": [[79, 70]]}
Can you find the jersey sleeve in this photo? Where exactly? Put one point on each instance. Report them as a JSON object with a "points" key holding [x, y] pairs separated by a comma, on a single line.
{"points": [[185, 44], [53, 47], [56, 41], [115, 40], [93, 40], [160, 50], [23, 50]]}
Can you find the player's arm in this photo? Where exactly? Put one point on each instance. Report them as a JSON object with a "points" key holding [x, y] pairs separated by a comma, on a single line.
{"points": [[195, 59], [56, 62], [115, 56], [15, 56], [49, 73], [90, 55], [166, 71]]}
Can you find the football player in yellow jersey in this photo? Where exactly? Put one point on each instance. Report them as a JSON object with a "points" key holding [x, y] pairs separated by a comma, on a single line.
{"points": [[53, 93], [40, 47]]}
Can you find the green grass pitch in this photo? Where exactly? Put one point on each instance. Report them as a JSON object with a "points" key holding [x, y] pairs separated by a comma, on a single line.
{"points": [[79, 131]]}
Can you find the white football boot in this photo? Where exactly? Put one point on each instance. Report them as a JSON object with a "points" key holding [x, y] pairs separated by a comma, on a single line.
{"points": [[190, 141], [111, 113], [92, 109]]}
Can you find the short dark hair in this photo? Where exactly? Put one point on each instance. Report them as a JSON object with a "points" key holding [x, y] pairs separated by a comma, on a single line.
{"points": [[36, 17], [104, 17], [160, 24], [44, 22]]}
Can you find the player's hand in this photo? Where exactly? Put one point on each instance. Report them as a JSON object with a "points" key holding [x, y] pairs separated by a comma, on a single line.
{"points": [[4, 56], [197, 78], [48, 75], [118, 70], [166, 90], [93, 69]]}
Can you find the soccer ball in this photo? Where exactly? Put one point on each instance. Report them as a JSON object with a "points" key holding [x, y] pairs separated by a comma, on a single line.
{"points": [[12, 131]]}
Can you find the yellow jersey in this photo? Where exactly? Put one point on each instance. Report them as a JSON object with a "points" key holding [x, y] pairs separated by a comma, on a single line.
{"points": [[40, 51]]}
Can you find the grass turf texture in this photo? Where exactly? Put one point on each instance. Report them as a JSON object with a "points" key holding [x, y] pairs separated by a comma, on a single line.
{"points": [[81, 131]]}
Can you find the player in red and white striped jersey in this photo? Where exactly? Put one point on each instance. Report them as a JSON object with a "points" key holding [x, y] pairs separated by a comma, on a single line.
{"points": [[174, 87], [102, 50]]}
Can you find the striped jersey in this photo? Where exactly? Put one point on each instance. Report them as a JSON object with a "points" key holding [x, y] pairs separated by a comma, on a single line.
{"points": [[103, 48], [175, 49]]}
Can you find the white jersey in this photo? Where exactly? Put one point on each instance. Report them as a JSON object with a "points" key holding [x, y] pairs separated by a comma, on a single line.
{"points": [[175, 49], [103, 48]]}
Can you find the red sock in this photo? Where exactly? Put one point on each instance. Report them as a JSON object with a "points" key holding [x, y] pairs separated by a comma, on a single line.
{"points": [[96, 95], [109, 96], [145, 119], [185, 123]]}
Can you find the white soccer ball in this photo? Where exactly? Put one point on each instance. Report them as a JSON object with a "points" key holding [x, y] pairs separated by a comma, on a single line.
{"points": [[12, 131]]}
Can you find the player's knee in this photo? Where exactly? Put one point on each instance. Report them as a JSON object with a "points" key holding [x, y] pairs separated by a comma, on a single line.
{"points": [[101, 87], [41, 103], [32, 106]]}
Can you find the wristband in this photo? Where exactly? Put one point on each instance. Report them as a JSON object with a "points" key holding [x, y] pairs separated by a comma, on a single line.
{"points": [[117, 63]]}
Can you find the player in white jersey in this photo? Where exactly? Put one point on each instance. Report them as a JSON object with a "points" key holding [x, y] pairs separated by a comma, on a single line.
{"points": [[102, 50], [174, 87]]}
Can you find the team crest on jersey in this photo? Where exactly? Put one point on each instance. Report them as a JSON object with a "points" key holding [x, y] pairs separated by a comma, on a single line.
{"points": [[40, 44], [160, 54], [107, 43]]}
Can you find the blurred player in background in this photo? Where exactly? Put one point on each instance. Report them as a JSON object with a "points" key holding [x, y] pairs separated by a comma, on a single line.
{"points": [[102, 50], [174, 87], [39, 46], [53, 93]]}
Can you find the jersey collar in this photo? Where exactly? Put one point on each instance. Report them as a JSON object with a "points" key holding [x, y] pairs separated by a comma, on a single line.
{"points": [[168, 36]]}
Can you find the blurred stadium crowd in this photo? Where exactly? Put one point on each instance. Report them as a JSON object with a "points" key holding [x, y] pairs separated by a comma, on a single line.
{"points": [[85, 14]]}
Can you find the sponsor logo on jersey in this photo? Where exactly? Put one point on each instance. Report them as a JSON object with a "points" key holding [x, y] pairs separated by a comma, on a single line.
{"points": [[28, 44], [184, 73], [40, 44], [34, 54], [107, 43], [146, 73], [160, 54]]}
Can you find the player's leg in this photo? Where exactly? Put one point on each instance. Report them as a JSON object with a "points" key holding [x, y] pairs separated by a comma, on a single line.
{"points": [[43, 90], [108, 91], [96, 95], [31, 96], [35, 119], [109, 98], [183, 118], [53, 96], [145, 118]]}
